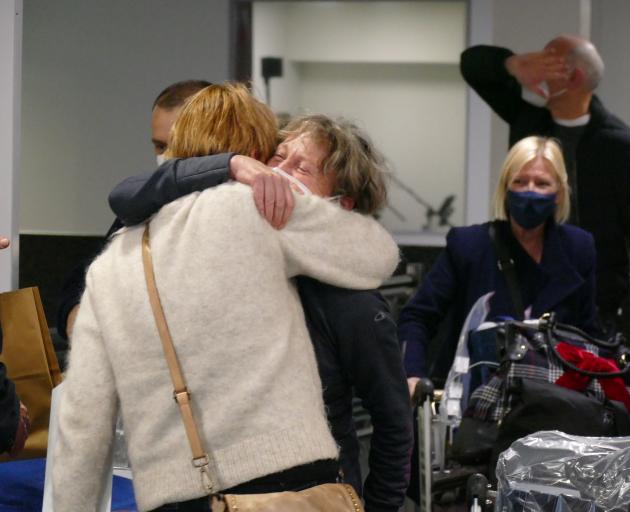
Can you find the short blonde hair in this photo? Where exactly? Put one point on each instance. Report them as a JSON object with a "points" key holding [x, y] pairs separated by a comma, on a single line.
{"points": [[224, 118], [360, 169], [523, 152]]}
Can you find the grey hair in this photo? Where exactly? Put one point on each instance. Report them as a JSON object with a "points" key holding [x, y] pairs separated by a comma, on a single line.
{"points": [[587, 58], [360, 167]]}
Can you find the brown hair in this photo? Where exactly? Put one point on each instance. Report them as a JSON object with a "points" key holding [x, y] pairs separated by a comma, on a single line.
{"points": [[359, 167], [175, 95], [224, 118]]}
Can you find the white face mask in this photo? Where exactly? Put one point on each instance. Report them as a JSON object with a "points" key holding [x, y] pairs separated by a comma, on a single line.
{"points": [[305, 190], [160, 159], [536, 99]]}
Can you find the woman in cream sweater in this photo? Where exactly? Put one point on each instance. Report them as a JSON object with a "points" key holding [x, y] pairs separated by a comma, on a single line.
{"points": [[224, 276]]}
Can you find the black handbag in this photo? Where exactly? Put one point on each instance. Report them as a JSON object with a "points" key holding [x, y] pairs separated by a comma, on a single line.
{"points": [[474, 441], [540, 405]]}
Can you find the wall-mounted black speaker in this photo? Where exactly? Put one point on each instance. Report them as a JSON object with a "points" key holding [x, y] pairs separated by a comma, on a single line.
{"points": [[271, 67]]}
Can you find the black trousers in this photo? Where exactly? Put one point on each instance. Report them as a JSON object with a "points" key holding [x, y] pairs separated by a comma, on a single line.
{"points": [[293, 479]]}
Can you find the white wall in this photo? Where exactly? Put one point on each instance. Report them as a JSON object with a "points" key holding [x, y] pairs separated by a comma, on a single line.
{"points": [[270, 22], [10, 75], [392, 67], [611, 35], [430, 32], [415, 114], [91, 71], [478, 122]]}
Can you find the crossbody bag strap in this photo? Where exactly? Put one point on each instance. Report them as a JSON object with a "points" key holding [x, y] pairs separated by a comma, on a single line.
{"points": [[181, 394], [507, 267]]}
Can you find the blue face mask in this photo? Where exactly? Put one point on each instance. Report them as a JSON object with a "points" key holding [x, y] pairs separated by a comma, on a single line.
{"points": [[530, 209]]}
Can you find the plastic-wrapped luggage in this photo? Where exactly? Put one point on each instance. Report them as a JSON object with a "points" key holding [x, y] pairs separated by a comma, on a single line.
{"points": [[556, 472]]}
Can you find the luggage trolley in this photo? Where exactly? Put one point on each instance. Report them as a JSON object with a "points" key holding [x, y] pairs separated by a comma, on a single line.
{"points": [[436, 423], [440, 412], [436, 476]]}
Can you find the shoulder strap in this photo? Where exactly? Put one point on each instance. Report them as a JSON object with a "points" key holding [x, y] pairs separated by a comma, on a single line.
{"points": [[181, 394], [506, 265]]}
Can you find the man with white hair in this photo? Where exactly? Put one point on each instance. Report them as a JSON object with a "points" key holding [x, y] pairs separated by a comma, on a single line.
{"points": [[550, 93]]}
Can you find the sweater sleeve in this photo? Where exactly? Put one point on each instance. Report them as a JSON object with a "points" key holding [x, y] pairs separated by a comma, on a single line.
{"points": [[483, 68], [137, 198], [87, 417], [421, 317], [336, 246]]}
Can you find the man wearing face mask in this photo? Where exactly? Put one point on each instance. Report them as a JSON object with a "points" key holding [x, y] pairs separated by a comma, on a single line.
{"points": [[551, 93], [166, 109]]}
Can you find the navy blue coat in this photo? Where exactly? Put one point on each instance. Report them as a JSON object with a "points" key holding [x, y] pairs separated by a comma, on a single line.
{"points": [[563, 282]]}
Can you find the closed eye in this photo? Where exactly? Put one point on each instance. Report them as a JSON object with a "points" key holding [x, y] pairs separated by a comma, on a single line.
{"points": [[275, 160]]}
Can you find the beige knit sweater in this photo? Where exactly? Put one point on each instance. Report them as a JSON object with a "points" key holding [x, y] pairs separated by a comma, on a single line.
{"points": [[237, 324]]}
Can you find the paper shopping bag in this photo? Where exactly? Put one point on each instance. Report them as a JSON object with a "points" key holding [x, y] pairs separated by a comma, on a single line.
{"points": [[31, 363]]}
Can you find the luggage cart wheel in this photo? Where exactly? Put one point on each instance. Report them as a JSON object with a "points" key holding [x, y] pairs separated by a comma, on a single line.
{"points": [[476, 492]]}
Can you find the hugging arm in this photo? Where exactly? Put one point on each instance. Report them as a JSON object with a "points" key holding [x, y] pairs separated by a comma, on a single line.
{"points": [[336, 246], [137, 198]]}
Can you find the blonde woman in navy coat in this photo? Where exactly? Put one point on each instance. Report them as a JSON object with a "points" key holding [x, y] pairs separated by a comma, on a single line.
{"points": [[554, 262]]}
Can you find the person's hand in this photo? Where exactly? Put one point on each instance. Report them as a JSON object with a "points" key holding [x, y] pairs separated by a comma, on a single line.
{"points": [[245, 169], [274, 198], [272, 193], [24, 425], [4, 242], [530, 69], [411, 383]]}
